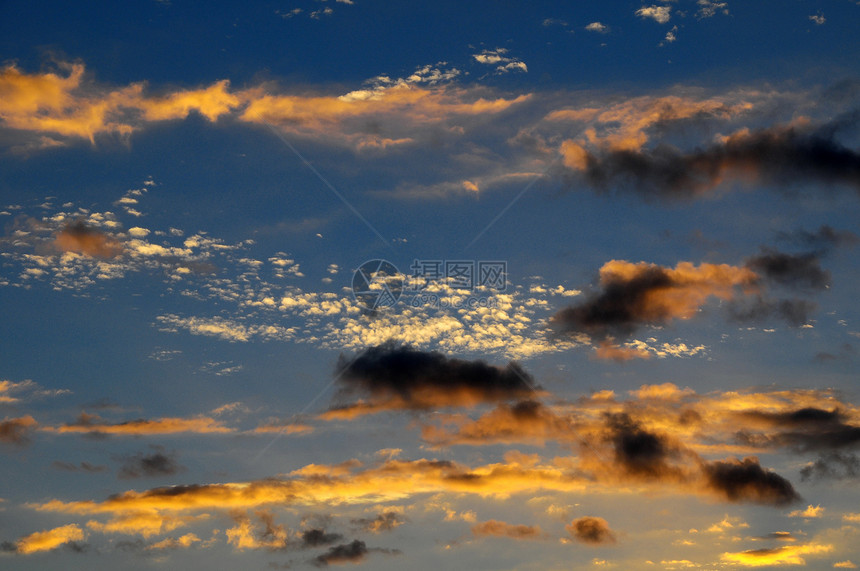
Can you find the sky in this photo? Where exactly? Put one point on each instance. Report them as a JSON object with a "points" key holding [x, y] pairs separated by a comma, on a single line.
{"points": [[488, 285]]}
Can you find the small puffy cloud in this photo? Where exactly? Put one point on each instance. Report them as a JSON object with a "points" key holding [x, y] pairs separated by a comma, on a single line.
{"points": [[597, 27], [709, 8], [818, 19], [499, 58], [591, 531], [660, 14], [810, 512]]}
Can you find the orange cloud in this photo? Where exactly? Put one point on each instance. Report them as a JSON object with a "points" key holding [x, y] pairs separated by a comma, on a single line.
{"points": [[82, 239], [49, 539], [502, 529], [88, 423], [787, 555], [609, 351], [144, 523], [17, 430], [636, 294], [624, 126]]}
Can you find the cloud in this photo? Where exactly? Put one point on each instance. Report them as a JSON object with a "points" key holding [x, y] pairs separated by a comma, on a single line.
{"points": [[503, 62], [392, 376], [49, 539], [142, 521], [346, 553], [591, 531], [385, 521], [319, 537], [781, 155], [641, 453], [502, 529], [158, 463], [597, 27], [810, 512], [526, 421], [791, 270], [660, 14], [806, 429], [17, 430], [822, 239], [91, 424], [635, 295], [57, 107], [709, 8], [832, 466], [746, 481], [83, 467], [267, 535], [786, 555], [182, 542], [82, 239]]}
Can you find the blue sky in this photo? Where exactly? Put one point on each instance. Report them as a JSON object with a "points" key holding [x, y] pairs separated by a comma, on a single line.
{"points": [[665, 376]]}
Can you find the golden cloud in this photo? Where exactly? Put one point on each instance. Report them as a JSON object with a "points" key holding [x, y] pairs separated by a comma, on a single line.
{"points": [[49, 539]]}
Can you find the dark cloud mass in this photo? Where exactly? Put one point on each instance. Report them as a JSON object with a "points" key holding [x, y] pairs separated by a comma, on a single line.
{"points": [[755, 309], [806, 429], [832, 466], [591, 530], [639, 452], [822, 239], [792, 270], [152, 465], [345, 553], [778, 155], [319, 537], [620, 308], [395, 376], [746, 481]]}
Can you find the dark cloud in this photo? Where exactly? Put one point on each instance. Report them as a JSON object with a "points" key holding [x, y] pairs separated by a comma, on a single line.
{"points": [[319, 537], [82, 467], [639, 452], [757, 308], [778, 155], [746, 481], [591, 530], [832, 466], [778, 536], [620, 308], [158, 463], [804, 430], [17, 430], [791, 270], [392, 376], [344, 553], [385, 521], [822, 239]]}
